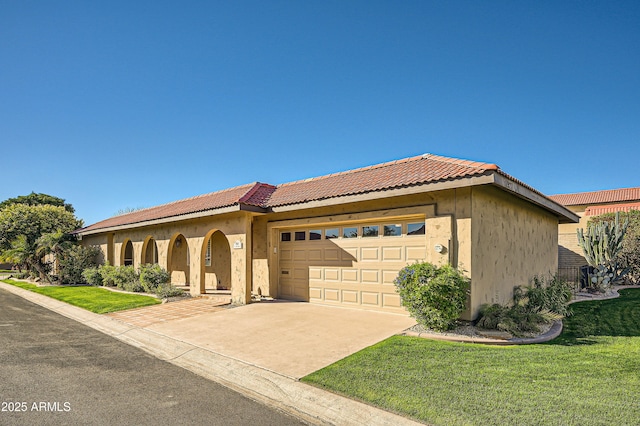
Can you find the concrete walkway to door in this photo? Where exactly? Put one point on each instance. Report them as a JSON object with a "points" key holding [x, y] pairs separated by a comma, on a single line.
{"points": [[289, 338]]}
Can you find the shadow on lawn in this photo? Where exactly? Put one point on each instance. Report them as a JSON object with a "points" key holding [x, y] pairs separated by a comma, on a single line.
{"points": [[603, 318]]}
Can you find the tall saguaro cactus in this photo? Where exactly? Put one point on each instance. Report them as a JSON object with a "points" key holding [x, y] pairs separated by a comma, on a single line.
{"points": [[600, 245]]}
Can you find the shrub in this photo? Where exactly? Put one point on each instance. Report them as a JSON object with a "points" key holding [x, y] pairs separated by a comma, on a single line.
{"points": [[73, 261], [126, 277], [152, 276], [165, 290], [434, 296], [108, 274], [541, 303], [92, 276]]}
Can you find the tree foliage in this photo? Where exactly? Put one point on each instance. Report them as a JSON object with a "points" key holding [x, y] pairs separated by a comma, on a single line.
{"points": [[34, 199]]}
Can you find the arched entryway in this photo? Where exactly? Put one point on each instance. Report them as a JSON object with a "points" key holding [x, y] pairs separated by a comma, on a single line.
{"points": [[149, 251], [178, 260], [215, 262], [127, 254]]}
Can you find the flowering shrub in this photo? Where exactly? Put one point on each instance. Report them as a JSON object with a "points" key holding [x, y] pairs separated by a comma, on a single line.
{"points": [[434, 296]]}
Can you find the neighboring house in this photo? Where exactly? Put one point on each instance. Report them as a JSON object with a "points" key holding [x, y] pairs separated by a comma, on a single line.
{"points": [[341, 239], [587, 205]]}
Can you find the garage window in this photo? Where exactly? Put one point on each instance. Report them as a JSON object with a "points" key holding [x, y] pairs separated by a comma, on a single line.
{"points": [[392, 230], [331, 233], [315, 234], [370, 231], [415, 229], [300, 235], [285, 236], [349, 232]]}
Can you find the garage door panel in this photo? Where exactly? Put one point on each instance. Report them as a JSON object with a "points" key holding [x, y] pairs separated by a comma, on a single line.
{"points": [[388, 276], [416, 253], [370, 254], [349, 296], [331, 254], [358, 272], [350, 275], [370, 276], [315, 293], [392, 253], [332, 294], [371, 299]]}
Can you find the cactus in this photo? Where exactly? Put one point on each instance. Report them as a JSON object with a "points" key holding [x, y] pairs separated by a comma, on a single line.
{"points": [[601, 244]]}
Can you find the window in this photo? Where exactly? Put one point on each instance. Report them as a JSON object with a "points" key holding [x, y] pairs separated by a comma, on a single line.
{"points": [[349, 232], [315, 234], [285, 236], [370, 231], [392, 230], [415, 229], [300, 235], [207, 254], [331, 233]]}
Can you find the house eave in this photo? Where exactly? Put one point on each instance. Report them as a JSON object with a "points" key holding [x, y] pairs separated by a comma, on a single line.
{"points": [[564, 215], [161, 221]]}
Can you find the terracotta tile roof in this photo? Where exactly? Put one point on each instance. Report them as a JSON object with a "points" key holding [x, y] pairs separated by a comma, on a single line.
{"points": [[395, 174], [598, 197], [611, 208], [427, 168], [252, 194]]}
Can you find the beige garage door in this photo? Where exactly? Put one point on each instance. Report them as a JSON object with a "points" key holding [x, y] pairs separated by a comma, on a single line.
{"points": [[352, 265]]}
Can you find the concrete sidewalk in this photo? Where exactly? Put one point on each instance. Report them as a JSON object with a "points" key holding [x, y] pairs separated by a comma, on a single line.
{"points": [[262, 384]]}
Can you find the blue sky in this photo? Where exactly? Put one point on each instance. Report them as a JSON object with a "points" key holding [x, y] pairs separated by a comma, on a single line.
{"points": [[125, 104]]}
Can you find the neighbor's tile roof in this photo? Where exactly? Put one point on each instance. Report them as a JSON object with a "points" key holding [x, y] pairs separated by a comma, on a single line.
{"points": [[598, 197], [611, 208], [251, 194], [407, 172], [395, 174]]}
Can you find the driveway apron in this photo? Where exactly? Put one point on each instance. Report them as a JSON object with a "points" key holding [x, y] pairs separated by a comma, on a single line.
{"points": [[289, 338]]}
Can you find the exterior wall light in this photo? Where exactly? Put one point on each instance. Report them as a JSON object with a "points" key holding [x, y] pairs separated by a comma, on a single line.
{"points": [[178, 241], [439, 248]]}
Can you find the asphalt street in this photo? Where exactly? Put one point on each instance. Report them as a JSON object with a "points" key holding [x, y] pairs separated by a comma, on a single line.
{"points": [[55, 371]]}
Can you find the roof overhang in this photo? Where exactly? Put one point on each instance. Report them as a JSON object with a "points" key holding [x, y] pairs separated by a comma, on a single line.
{"points": [[490, 178], [161, 221]]}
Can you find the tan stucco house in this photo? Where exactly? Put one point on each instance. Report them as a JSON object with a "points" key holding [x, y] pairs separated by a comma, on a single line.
{"points": [[587, 205], [341, 239]]}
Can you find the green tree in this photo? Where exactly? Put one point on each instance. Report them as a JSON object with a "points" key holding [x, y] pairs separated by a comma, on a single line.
{"points": [[22, 225], [34, 199]]}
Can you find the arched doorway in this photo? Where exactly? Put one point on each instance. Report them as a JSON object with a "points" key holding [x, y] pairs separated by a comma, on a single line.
{"points": [[149, 251], [216, 263], [127, 253], [178, 260]]}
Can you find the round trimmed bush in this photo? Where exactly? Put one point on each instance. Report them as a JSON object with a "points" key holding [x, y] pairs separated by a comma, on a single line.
{"points": [[434, 296]]}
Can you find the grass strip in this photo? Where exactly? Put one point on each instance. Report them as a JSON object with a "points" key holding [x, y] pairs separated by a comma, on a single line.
{"points": [[94, 299], [590, 375]]}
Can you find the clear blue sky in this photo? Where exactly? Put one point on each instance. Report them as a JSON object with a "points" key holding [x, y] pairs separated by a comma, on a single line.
{"points": [[123, 104]]}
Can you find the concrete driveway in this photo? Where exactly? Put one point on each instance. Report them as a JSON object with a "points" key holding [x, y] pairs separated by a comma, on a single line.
{"points": [[289, 338]]}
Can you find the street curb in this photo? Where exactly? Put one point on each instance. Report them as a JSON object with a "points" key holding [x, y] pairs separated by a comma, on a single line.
{"points": [[310, 404]]}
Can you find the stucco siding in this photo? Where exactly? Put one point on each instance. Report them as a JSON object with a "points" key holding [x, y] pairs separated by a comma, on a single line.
{"points": [[512, 241]]}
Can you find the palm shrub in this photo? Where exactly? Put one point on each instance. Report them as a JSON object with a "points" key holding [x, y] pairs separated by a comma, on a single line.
{"points": [[541, 303], [434, 296]]}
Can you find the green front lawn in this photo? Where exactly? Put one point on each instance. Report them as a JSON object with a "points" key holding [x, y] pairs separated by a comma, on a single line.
{"points": [[94, 299], [590, 375]]}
